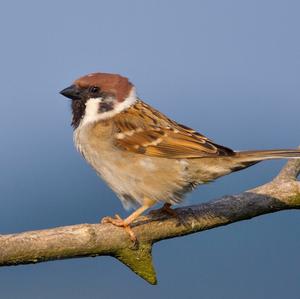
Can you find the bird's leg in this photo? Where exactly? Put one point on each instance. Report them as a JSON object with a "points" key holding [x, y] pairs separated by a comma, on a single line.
{"points": [[118, 221], [165, 209]]}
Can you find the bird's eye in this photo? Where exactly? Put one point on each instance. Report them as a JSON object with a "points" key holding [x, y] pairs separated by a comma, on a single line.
{"points": [[94, 89]]}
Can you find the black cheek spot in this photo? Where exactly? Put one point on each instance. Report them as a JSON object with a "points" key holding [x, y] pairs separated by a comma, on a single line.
{"points": [[106, 106]]}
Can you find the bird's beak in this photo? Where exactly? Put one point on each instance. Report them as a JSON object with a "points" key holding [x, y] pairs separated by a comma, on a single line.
{"points": [[71, 92]]}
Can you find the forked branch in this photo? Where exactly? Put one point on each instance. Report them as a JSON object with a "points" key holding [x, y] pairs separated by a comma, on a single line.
{"points": [[90, 240]]}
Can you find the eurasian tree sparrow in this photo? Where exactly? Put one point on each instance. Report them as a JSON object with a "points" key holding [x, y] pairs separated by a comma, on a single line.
{"points": [[144, 156]]}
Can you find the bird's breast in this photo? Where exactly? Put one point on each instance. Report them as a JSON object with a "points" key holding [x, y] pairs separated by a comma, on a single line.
{"points": [[132, 175]]}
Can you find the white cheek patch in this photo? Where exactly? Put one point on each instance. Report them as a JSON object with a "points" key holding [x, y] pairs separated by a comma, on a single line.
{"points": [[93, 113]]}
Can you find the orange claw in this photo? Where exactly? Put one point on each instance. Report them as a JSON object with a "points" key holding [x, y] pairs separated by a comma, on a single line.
{"points": [[125, 223], [118, 221]]}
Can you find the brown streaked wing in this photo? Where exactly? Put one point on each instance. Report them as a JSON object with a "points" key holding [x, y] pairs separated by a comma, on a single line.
{"points": [[153, 134]]}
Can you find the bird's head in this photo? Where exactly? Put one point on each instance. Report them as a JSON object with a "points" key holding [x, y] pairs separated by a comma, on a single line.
{"points": [[99, 96]]}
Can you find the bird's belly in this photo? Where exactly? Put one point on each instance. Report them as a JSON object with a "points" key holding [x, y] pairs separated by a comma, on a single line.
{"points": [[135, 177]]}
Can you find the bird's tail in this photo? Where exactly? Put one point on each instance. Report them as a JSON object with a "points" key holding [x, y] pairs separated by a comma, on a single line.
{"points": [[256, 156], [239, 160]]}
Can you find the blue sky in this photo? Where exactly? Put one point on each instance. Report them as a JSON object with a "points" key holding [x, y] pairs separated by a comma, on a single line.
{"points": [[229, 69]]}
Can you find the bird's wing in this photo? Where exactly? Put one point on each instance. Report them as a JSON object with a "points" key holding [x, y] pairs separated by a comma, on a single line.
{"points": [[146, 131]]}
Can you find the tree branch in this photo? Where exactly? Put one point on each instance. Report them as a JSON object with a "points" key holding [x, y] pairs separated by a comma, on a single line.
{"points": [[90, 240]]}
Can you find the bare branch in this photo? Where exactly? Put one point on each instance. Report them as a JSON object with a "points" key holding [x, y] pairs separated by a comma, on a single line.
{"points": [[90, 240], [290, 171]]}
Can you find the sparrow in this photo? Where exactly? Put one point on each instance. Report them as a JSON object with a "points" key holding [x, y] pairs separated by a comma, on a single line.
{"points": [[144, 156]]}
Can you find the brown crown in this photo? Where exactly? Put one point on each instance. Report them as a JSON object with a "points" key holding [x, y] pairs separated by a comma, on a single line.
{"points": [[109, 83]]}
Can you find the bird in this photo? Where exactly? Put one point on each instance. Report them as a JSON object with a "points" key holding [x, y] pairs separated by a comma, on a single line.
{"points": [[144, 156]]}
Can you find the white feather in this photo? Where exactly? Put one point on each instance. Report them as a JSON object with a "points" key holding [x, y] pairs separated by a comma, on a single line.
{"points": [[92, 113]]}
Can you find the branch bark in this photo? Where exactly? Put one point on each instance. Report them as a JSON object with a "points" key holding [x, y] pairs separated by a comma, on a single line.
{"points": [[90, 240]]}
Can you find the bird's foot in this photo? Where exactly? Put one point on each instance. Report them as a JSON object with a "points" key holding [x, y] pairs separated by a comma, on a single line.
{"points": [[118, 221], [165, 209]]}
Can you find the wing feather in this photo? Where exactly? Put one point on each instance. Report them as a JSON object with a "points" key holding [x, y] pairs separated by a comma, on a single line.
{"points": [[153, 134]]}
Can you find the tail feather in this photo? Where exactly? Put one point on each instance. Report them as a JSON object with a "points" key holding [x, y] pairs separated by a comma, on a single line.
{"points": [[256, 156], [241, 160]]}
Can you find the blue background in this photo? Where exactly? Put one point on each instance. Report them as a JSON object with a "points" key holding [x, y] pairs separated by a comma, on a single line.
{"points": [[229, 69]]}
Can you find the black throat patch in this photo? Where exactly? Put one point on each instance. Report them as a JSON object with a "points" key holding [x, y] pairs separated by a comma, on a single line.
{"points": [[78, 109], [79, 106]]}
